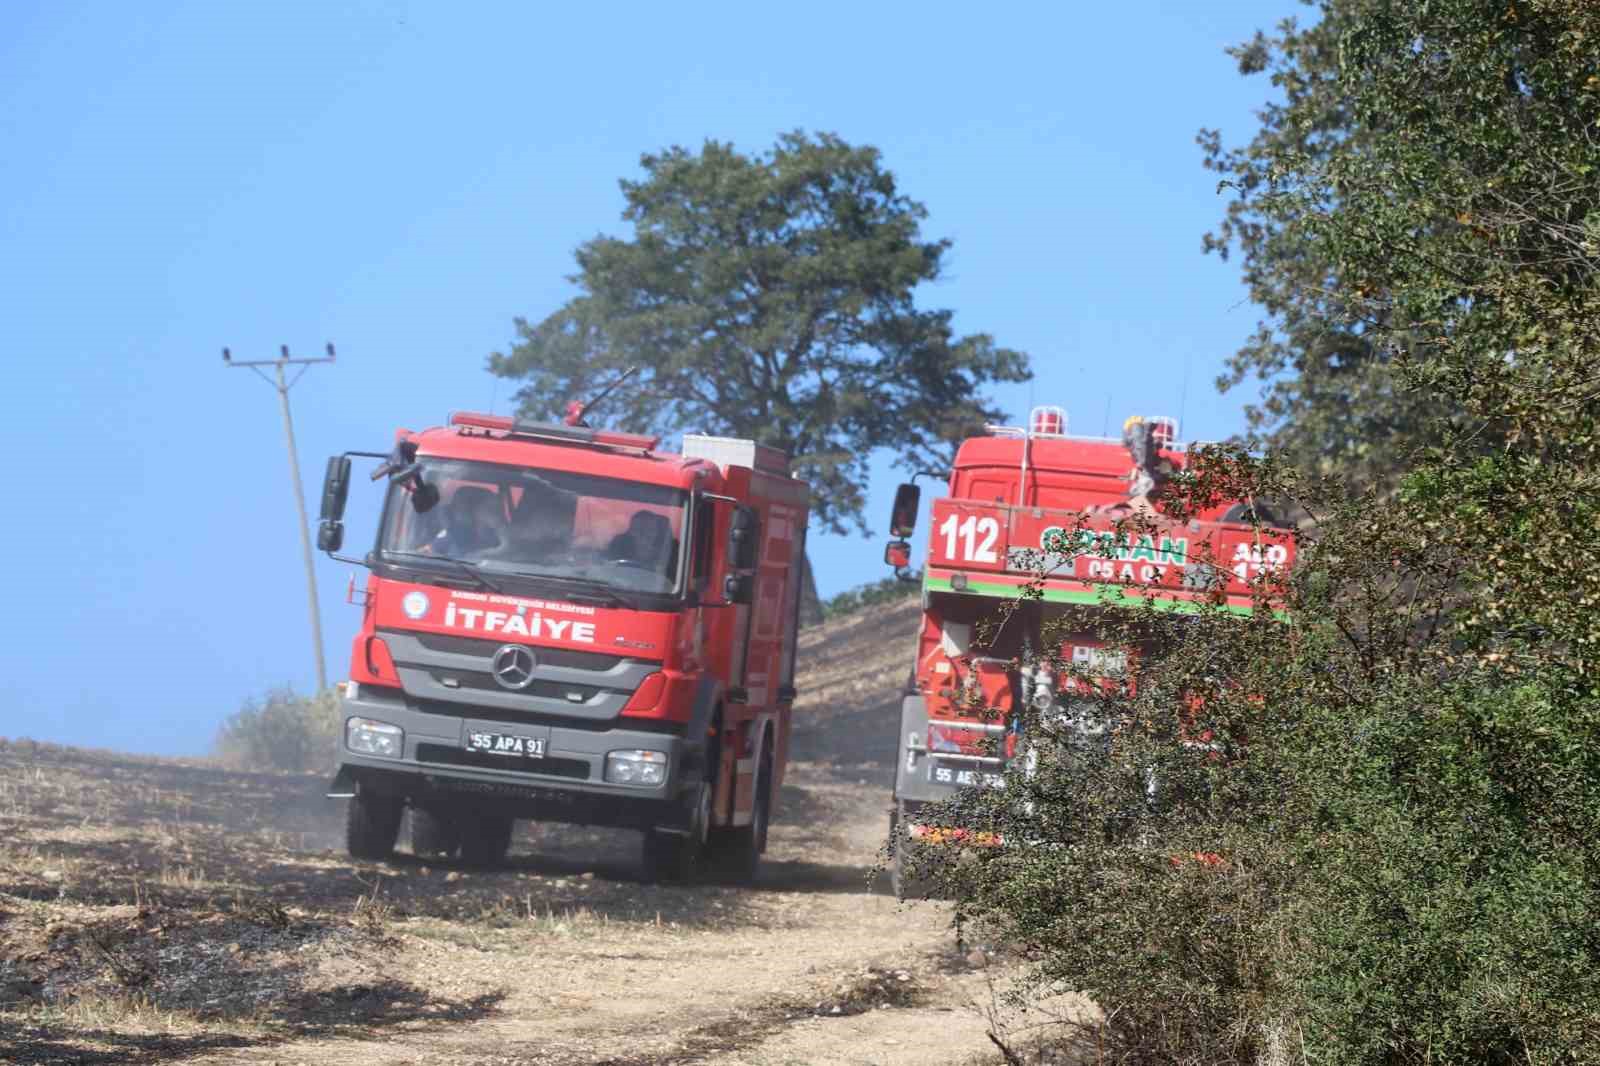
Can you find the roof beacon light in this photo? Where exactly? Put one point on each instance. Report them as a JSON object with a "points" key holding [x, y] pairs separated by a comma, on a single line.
{"points": [[1163, 430], [1047, 422]]}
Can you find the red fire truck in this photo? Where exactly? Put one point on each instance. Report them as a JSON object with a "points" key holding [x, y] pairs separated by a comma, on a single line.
{"points": [[1038, 505], [570, 624]]}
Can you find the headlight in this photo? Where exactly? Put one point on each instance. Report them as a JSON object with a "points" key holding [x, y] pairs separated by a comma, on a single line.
{"points": [[374, 738], [646, 769]]}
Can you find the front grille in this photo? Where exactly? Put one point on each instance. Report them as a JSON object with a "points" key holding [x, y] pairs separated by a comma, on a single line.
{"points": [[441, 754], [554, 690], [565, 657]]}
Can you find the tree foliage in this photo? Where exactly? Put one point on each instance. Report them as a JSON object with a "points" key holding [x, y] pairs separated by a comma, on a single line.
{"points": [[769, 297], [1355, 116], [1376, 837]]}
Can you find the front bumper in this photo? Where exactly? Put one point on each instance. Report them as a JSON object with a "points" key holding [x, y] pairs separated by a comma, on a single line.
{"points": [[568, 785]]}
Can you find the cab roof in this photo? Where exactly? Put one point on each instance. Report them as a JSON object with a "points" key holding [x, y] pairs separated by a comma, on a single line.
{"points": [[1096, 456], [633, 462]]}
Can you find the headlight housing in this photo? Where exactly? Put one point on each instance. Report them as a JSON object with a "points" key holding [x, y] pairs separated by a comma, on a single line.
{"points": [[368, 736], [641, 769]]}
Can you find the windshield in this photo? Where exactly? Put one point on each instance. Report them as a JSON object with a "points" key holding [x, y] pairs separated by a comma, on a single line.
{"points": [[545, 523]]}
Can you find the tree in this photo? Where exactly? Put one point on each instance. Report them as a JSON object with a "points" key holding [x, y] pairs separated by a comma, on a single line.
{"points": [[1330, 400], [769, 297]]}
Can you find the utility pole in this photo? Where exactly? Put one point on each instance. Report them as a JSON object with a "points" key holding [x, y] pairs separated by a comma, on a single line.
{"points": [[282, 387]]}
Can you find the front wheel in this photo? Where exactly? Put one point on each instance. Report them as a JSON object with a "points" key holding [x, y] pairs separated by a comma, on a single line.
{"points": [[908, 861], [371, 825], [670, 856]]}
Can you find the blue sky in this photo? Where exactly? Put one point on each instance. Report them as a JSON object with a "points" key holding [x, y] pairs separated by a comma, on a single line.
{"points": [[404, 178]]}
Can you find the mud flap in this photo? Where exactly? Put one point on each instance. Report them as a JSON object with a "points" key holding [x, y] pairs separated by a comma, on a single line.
{"points": [[343, 785]]}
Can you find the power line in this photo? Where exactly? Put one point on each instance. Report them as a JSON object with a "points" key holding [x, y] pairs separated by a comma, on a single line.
{"points": [[282, 387]]}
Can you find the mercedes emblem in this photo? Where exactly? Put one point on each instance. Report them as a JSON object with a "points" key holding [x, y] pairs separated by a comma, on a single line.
{"points": [[513, 667]]}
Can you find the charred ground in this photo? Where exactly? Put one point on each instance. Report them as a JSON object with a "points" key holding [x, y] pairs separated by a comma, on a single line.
{"points": [[163, 909]]}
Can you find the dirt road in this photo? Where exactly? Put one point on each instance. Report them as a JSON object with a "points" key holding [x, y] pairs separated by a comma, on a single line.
{"points": [[158, 910]]}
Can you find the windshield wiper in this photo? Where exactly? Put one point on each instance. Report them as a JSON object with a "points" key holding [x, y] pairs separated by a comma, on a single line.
{"points": [[461, 565], [598, 589]]}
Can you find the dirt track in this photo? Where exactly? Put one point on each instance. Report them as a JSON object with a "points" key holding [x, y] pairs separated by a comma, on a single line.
{"points": [[156, 910]]}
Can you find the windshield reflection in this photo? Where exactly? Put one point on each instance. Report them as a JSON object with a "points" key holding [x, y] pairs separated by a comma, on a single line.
{"points": [[515, 520]]}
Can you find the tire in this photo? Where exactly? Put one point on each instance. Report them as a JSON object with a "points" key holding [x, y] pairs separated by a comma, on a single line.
{"points": [[669, 856], [485, 840], [735, 854], [371, 825], [907, 875], [434, 834]]}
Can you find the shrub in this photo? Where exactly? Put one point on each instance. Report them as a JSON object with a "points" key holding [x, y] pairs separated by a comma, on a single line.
{"points": [[281, 731]]}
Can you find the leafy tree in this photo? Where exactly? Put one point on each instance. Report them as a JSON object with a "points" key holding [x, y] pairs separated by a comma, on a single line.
{"points": [[1330, 400], [1387, 851], [769, 297]]}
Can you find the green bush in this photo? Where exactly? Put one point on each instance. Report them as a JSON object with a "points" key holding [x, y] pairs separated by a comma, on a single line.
{"points": [[281, 731], [1375, 841], [887, 590]]}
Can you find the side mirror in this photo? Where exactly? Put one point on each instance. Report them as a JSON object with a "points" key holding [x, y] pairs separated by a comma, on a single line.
{"points": [[335, 488], [903, 519], [330, 534], [897, 553], [742, 541], [738, 588], [424, 497]]}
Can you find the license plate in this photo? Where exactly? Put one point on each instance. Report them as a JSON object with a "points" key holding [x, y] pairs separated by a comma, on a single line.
{"points": [[963, 778], [506, 744]]}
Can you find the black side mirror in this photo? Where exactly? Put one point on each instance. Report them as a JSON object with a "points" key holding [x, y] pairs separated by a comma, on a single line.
{"points": [[424, 497], [903, 519], [330, 535], [742, 540], [738, 588], [335, 488]]}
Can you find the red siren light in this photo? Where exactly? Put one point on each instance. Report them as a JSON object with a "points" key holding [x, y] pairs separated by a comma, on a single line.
{"points": [[1163, 430], [1047, 422]]}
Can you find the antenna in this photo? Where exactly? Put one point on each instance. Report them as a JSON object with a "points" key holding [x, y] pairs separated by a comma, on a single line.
{"points": [[577, 408], [282, 388], [1183, 390], [1105, 425]]}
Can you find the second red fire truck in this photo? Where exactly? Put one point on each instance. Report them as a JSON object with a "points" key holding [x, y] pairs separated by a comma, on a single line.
{"points": [[1040, 507]]}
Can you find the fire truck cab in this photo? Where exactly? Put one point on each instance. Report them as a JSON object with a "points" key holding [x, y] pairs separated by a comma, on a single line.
{"points": [[1038, 507], [569, 624]]}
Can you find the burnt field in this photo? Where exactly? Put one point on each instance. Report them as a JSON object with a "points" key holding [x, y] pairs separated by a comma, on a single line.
{"points": [[157, 910]]}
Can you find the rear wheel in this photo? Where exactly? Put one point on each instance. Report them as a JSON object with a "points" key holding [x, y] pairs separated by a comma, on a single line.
{"points": [[736, 852], [485, 840], [434, 834], [371, 825]]}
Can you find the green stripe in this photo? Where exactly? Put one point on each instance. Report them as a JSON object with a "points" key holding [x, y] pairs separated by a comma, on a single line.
{"points": [[1098, 593]]}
